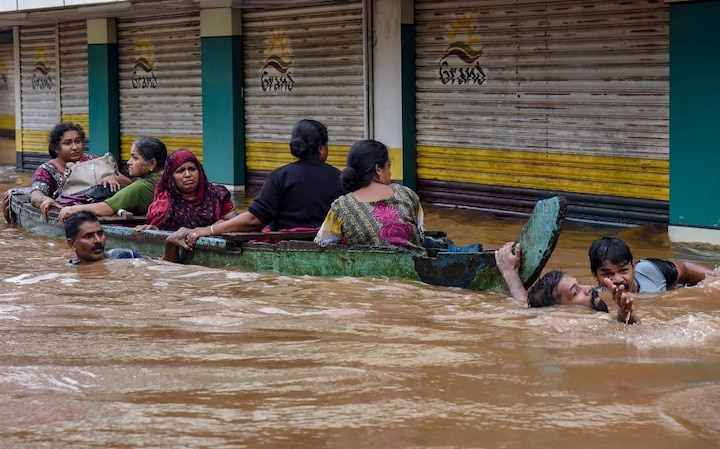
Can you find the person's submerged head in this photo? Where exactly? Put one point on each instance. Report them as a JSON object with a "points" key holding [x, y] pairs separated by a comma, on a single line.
{"points": [[147, 155], [85, 236], [367, 161], [556, 287], [66, 141], [309, 140], [611, 258], [183, 174]]}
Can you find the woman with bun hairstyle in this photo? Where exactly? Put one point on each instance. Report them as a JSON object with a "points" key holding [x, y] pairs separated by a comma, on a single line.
{"points": [[375, 212], [296, 196]]}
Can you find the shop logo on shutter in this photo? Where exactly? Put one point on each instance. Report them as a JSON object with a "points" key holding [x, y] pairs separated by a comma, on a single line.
{"points": [[275, 75], [460, 64], [143, 77], [41, 79]]}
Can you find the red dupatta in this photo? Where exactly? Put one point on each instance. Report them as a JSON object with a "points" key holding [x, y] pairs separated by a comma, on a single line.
{"points": [[171, 210]]}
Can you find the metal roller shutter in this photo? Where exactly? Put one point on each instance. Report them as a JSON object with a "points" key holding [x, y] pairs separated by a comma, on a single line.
{"points": [[38, 91], [74, 74], [160, 80], [7, 87], [563, 96], [304, 62]]}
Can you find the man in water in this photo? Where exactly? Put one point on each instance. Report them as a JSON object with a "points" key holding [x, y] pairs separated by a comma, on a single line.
{"points": [[86, 237], [557, 287], [610, 258]]}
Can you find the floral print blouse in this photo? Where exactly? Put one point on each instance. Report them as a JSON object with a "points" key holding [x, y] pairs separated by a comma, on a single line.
{"points": [[395, 221]]}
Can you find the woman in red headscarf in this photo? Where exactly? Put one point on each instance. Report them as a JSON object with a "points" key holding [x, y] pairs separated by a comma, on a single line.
{"points": [[185, 198]]}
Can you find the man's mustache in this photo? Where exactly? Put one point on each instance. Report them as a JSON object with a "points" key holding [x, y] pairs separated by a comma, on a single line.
{"points": [[596, 303], [98, 247]]}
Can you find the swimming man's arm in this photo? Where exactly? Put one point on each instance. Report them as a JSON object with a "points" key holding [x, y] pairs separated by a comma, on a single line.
{"points": [[690, 273], [509, 266]]}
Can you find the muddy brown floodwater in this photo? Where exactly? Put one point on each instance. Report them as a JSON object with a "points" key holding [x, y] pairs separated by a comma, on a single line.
{"points": [[143, 353]]}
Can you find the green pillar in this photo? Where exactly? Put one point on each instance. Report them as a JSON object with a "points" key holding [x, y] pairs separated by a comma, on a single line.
{"points": [[103, 87], [222, 100], [694, 114], [407, 48]]}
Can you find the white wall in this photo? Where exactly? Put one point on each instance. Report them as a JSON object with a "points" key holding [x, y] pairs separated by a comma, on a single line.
{"points": [[387, 93]]}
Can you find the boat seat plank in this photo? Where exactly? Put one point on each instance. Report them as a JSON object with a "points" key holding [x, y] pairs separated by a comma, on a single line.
{"points": [[125, 219]]}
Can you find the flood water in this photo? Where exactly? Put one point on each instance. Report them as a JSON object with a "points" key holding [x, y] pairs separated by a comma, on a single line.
{"points": [[143, 353]]}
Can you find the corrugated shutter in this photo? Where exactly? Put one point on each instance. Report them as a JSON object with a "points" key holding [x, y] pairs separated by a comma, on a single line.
{"points": [[304, 62], [38, 90], [74, 74], [563, 96], [7, 87], [160, 80]]}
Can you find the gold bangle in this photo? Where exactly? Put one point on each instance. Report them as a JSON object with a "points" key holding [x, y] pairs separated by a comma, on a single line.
{"points": [[212, 231]]}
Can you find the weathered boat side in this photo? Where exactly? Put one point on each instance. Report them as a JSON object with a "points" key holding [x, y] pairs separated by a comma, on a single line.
{"points": [[306, 258], [475, 271]]}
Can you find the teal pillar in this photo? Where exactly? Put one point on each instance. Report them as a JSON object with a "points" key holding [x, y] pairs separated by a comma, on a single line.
{"points": [[407, 61], [223, 107], [694, 114], [103, 87]]}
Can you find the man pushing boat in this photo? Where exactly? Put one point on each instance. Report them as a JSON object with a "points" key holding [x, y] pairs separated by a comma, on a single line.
{"points": [[86, 237]]}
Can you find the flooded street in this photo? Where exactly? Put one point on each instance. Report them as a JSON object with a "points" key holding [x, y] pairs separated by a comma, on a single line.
{"points": [[144, 353]]}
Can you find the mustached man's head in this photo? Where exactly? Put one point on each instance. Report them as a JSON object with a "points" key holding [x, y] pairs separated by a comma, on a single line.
{"points": [[557, 287], [85, 236]]}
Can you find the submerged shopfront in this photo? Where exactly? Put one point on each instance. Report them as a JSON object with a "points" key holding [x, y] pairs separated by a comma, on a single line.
{"points": [[484, 104]]}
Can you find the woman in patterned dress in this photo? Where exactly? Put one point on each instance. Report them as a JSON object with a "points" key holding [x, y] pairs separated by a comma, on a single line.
{"points": [[66, 144], [374, 212]]}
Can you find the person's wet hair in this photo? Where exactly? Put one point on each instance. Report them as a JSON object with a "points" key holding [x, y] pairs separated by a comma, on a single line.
{"points": [[544, 293], [151, 148], [56, 135], [608, 248], [362, 159], [73, 222], [306, 139]]}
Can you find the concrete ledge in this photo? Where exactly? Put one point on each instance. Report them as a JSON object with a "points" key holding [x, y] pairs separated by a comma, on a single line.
{"points": [[686, 234]]}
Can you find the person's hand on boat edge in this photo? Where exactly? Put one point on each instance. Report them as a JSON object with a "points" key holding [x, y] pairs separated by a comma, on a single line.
{"points": [[45, 206], [626, 304], [145, 227], [507, 261], [184, 238], [66, 212]]}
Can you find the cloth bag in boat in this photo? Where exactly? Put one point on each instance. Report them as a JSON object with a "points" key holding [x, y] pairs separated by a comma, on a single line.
{"points": [[81, 176], [94, 194]]}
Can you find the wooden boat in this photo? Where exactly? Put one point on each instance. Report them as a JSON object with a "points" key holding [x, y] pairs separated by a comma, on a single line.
{"points": [[295, 256]]}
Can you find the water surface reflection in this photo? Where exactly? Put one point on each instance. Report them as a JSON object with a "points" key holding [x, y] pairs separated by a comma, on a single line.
{"points": [[142, 353]]}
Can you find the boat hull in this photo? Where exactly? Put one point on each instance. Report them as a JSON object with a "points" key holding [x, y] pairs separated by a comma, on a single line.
{"points": [[476, 270]]}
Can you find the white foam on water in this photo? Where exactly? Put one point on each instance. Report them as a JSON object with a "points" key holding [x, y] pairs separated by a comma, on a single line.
{"points": [[274, 311], [242, 275], [24, 279]]}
